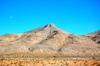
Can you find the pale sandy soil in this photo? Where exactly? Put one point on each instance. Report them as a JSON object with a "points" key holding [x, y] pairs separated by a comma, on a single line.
{"points": [[47, 62]]}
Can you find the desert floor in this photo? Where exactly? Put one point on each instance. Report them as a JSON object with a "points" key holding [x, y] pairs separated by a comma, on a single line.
{"points": [[47, 62]]}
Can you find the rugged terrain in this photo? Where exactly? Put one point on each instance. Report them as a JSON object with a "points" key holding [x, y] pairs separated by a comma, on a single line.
{"points": [[47, 41], [94, 36], [50, 46]]}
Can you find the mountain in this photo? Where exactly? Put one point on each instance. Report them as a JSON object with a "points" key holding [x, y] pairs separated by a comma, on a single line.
{"points": [[94, 36], [9, 37], [49, 41]]}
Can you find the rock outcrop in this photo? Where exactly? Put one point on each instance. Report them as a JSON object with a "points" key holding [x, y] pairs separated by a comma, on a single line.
{"points": [[94, 36]]}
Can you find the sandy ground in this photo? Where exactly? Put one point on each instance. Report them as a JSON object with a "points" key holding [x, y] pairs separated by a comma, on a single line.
{"points": [[47, 62]]}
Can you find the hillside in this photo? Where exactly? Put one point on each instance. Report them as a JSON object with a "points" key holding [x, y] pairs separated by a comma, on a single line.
{"points": [[48, 41], [94, 36]]}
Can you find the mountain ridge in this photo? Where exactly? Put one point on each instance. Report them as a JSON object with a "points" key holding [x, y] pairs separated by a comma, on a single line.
{"points": [[49, 40]]}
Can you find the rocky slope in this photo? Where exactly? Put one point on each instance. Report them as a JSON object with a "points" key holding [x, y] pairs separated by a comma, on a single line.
{"points": [[94, 36], [51, 41], [9, 37]]}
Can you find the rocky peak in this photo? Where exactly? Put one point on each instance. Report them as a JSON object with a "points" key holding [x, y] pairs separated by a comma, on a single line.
{"points": [[50, 25]]}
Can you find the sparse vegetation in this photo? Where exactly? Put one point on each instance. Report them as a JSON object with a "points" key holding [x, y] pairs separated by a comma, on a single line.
{"points": [[47, 62]]}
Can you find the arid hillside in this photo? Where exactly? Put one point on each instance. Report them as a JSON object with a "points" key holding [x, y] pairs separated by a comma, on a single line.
{"points": [[48, 41], [94, 36]]}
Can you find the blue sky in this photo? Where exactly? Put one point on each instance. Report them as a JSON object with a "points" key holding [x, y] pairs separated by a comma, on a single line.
{"points": [[75, 16]]}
